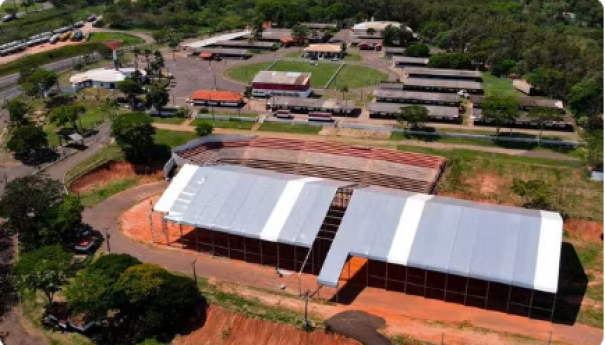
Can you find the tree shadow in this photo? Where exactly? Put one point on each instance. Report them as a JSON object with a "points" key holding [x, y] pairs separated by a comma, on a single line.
{"points": [[573, 283], [8, 294], [38, 157]]}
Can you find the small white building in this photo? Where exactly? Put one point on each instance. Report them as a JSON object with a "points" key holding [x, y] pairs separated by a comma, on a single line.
{"points": [[103, 78], [361, 29]]}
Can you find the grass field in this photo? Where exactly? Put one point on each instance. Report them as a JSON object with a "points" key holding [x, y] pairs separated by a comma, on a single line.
{"points": [[225, 124], [320, 73], [168, 120], [289, 128], [173, 138], [125, 38], [245, 73], [569, 151], [89, 120], [354, 77], [95, 196], [494, 86]]}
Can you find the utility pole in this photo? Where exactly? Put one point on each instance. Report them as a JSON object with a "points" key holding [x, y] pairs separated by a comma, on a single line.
{"points": [[107, 240], [194, 272], [306, 323]]}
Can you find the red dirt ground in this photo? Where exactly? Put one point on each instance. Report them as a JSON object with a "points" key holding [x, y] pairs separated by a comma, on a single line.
{"points": [[115, 171], [584, 229], [225, 328]]}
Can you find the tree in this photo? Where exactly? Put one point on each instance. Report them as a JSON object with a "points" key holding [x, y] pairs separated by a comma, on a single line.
{"points": [[64, 223], [503, 67], [131, 88], [300, 33], [534, 192], [45, 269], [28, 206], [203, 129], [450, 60], [550, 81], [500, 111], [68, 114], [18, 112], [136, 51], [157, 97], [414, 115], [156, 302], [159, 61], [418, 50], [134, 134], [38, 82], [586, 97], [542, 116], [27, 142], [371, 31], [93, 290], [593, 148]]}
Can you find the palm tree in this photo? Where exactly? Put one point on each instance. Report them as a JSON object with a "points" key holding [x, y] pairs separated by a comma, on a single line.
{"points": [[344, 89], [159, 60], [147, 52]]}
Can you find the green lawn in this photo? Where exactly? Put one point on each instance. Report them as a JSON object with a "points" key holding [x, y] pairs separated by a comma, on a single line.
{"points": [[494, 86], [168, 120], [125, 38], [354, 77], [95, 196], [320, 73], [245, 73], [296, 54], [289, 128], [225, 124], [173, 138], [353, 57], [90, 120]]}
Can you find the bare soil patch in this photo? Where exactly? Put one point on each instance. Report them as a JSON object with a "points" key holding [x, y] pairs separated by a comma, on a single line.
{"points": [[114, 171], [225, 328], [585, 229]]}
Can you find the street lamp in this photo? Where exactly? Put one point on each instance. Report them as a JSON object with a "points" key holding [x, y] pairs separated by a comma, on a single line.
{"points": [[107, 240], [194, 272]]}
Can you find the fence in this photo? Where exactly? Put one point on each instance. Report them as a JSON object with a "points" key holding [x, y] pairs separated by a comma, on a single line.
{"points": [[459, 135], [225, 118], [299, 122]]}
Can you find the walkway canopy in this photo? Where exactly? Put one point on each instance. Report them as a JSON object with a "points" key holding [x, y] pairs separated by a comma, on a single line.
{"points": [[509, 245], [248, 202]]}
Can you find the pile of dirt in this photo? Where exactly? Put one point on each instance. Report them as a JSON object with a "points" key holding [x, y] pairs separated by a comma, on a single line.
{"points": [[222, 327], [115, 171], [360, 326]]}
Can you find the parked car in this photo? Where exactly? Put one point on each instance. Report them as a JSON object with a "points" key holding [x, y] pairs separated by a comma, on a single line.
{"points": [[9, 17], [79, 24], [92, 18]]}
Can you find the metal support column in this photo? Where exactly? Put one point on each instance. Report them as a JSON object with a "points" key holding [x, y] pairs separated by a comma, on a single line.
{"points": [[445, 291], [302, 267], [426, 279], [277, 249], [531, 302], [245, 252], [212, 243], [405, 284], [552, 313], [229, 246], [260, 243], [197, 239], [510, 288], [487, 295], [386, 277], [466, 291]]}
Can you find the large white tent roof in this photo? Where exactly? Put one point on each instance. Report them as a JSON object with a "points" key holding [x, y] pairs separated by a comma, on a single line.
{"points": [[249, 202], [509, 245]]}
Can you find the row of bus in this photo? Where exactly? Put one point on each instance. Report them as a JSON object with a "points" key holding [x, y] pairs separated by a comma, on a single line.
{"points": [[61, 34], [311, 116]]}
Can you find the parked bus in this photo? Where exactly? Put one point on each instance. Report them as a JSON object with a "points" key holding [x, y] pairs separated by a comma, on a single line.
{"points": [[318, 116], [283, 114]]}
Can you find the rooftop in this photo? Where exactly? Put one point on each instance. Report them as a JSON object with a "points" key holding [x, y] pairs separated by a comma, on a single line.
{"points": [[442, 72], [410, 59], [526, 101], [323, 48], [509, 245], [284, 78], [104, 75], [217, 95], [334, 104], [394, 108], [225, 51], [212, 40], [448, 84], [414, 95]]}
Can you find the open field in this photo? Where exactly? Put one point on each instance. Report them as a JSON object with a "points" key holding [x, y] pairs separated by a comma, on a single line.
{"points": [[289, 128], [355, 77], [125, 38], [320, 73], [168, 120], [245, 73], [225, 124], [494, 86], [173, 138]]}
